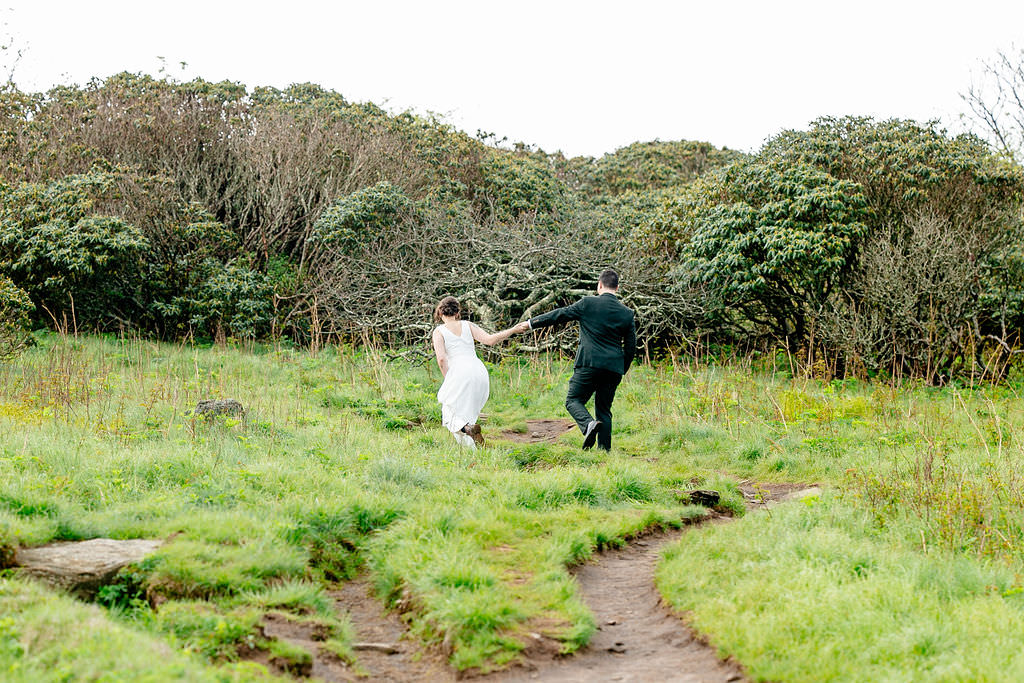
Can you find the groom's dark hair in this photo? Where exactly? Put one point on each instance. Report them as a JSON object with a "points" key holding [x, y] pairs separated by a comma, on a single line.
{"points": [[609, 278]]}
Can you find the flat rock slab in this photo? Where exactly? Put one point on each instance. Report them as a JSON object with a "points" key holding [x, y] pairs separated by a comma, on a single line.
{"points": [[82, 567], [766, 495], [803, 493]]}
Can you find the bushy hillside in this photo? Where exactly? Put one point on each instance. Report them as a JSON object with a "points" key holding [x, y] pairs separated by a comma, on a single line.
{"points": [[209, 210]]}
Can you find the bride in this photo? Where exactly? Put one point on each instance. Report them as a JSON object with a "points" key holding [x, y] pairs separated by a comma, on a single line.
{"points": [[466, 385]]}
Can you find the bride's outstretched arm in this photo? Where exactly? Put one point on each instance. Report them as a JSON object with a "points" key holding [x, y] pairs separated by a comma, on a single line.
{"points": [[497, 337]]}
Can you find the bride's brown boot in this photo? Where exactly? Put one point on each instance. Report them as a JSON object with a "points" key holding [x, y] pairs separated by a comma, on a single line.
{"points": [[474, 432]]}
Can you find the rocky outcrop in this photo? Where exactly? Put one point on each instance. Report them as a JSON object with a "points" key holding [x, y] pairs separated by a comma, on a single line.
{"points": [[699, 497], [81, 568], [225, 407]]}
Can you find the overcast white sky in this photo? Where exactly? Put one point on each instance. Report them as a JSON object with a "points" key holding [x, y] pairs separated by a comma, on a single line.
{"points": [[583, 77]]}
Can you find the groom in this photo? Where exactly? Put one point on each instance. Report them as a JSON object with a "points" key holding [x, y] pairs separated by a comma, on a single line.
{"points": [[607, 347]]}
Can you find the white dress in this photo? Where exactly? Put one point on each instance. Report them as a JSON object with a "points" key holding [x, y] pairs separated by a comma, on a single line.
{"points": [[466, 386]]}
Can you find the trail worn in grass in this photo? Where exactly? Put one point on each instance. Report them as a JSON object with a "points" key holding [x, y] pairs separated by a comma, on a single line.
{"points": [[638, 638], [384, 649], [539, 431]]}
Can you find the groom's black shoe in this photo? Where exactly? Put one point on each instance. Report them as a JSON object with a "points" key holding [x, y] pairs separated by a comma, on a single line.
{"points": [[590, 436]]}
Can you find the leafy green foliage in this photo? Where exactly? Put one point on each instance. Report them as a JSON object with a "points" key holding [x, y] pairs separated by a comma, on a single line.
{"points": [[645, 166], [363, 215], [1001, 295], [773, 239], [224, 299], [15, 307], [903, 166], [887, 245], [54, 248], [519, 185]]}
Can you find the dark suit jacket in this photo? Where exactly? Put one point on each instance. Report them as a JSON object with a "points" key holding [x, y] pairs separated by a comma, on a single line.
{"points": [[607, 331]]}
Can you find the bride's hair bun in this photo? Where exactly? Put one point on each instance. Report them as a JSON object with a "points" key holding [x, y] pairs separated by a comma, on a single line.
{"points": [[449, 306]]}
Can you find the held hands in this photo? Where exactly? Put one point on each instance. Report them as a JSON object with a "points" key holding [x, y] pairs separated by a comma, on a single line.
{"points": [[505, 334]]}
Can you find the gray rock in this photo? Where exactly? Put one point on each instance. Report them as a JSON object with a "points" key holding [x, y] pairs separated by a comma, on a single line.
{"points": [[803, 493], [228, 407], [700, 497], [83, 567]]}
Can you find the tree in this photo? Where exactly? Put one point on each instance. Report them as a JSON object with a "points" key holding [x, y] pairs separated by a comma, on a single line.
{"points": [[773, 238], [645, 166], [996, 102], [65, 256], [15, 307]]}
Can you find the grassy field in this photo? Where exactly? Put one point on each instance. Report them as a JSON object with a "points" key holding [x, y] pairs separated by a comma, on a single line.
{"points": [[910, 561]]}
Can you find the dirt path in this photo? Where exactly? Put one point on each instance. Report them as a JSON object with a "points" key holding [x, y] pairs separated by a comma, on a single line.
{"points": [[539, 431], [401, 658], [383, 650], [638, 637]]}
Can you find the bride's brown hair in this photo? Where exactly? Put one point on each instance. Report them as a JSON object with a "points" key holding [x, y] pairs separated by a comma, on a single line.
{"points": [[449, 306]]}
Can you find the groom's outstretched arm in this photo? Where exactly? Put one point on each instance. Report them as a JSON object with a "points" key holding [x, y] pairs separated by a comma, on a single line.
{"points": [[559, 316]]}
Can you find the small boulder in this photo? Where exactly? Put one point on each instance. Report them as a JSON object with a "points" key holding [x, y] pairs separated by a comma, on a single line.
{"points": [[700, 497], [83, 567], [224, 407]]}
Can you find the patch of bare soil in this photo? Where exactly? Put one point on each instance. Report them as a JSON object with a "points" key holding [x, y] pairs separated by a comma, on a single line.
{"points": [[760, 495], [382, 649], [539, 431], [326, 665], [638, 638], [384, 652]]}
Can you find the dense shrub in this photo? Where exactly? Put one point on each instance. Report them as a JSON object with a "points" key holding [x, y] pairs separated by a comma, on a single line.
{"points": [[213, 210], [67, 258], [362, 216], [933, 291], [774, 239], [515, 186], [644, 166], [15, 307], [223, 300], [904, 167], [882, 246], [915, 303]]}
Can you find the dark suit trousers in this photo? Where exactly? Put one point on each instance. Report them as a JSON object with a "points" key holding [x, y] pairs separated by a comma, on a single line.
{"points": [[587, 382]]}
